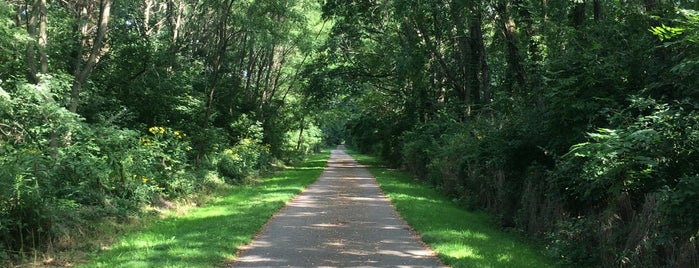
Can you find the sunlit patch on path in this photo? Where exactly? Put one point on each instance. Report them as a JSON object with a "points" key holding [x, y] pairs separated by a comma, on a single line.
{"points": [[343, 219]]}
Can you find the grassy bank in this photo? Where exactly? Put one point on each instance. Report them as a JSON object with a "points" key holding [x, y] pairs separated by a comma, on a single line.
{"points": [[461, 238], [209, 236]]}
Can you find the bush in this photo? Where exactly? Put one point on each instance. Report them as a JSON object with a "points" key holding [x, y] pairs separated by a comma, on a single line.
{"points": [[571, 243], [162, 161], [616, 177], [52, 162], [243, 161]]}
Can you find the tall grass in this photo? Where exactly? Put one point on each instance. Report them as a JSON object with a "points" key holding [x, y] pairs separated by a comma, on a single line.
{"points": [[210, 236]]}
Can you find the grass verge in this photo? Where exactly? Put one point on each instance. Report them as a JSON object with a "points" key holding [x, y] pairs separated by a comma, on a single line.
{"points": [[459, 237], [210, 236]]}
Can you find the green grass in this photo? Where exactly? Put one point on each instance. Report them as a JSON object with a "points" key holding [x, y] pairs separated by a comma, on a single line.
{"points": [[210, 236], [459, 237]]}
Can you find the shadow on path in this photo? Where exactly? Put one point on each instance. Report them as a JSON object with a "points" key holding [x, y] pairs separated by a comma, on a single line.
{"points": [[341, 220]]}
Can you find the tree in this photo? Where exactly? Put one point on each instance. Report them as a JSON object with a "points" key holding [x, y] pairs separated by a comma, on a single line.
{"points": [[491, 102], [92, 26]]}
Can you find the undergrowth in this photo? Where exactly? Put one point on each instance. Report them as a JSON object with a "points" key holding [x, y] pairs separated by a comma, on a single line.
{"points": [[210, 235], [202, 230]]}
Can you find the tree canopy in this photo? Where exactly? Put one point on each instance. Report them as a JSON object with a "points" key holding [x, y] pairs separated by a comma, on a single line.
{"points": [[574, 122]]}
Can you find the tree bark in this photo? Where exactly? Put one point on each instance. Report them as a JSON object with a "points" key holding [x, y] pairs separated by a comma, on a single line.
{"points": [[578, 14], [300, 139], [478, 47], [451, 77], [37, 21], [597, 10], [465, 59], [514, 60], [83, 70], [147, 6], [43, 37], [222, 37]]}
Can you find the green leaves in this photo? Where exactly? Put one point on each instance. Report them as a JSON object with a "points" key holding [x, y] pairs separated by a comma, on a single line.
{"points": [[664, 32]]}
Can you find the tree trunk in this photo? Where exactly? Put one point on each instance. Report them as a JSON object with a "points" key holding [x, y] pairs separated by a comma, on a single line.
{"points": [[218, 59], [82, 70], [598, 11], [37, 20], [478, 47], [534, 74], [43, 37], [300, 139], [465, 59], [147, 6], [578, 14], [39, 15], [449, 74], [514, 61]]}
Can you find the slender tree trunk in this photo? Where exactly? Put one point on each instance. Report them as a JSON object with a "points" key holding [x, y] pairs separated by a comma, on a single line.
{"points": [[39, 15], [578, 14], [147, 6], [43, 37], [300, 139], [438, 57], [514, 61], [222, 38], [83, 70], [266, 89], [598, 10], [534, 77], [37, 20], [31, 48], [178, 22], [465, 60], [478, 47]]}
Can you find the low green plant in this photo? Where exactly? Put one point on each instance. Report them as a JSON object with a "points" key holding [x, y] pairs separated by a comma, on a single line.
{"points": [[243, 161], [643, 171]]}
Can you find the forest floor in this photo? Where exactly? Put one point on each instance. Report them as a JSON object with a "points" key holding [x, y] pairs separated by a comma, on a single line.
{"points": [[343, 219]]}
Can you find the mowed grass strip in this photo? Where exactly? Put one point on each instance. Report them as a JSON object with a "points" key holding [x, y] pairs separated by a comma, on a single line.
{"points": [[459, 237], [210, 236]]}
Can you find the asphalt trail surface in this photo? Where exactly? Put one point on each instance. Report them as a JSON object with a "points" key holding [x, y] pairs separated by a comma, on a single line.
{"points": [[341, 220]]}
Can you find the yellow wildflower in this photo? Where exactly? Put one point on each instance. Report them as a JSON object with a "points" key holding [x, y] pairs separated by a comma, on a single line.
{"points": [[145, 141], [144, 179], [157, 130]]}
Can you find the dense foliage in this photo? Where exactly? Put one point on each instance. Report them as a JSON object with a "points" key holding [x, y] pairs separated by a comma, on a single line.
{"points": [[572, 121], [109, 106]]}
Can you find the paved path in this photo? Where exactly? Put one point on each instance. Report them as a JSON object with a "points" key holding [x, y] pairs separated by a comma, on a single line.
{"points": [[341, 220]]}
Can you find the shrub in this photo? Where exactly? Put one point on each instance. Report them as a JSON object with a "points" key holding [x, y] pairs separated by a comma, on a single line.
{"points": [[615, 177], [52, 162], [572, 242], [162, 161], [241, 162]]}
